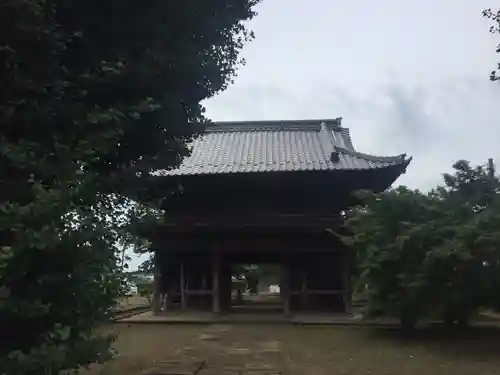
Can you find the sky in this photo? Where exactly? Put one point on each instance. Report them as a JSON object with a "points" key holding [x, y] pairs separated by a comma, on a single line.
{"points": [[406, 76]]}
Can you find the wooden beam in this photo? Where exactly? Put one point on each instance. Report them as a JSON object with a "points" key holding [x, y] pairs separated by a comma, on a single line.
{"points": [[251, 220], [198, 292], [324, 292]]}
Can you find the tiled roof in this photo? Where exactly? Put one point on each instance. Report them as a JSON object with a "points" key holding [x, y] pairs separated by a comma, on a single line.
{"points": [[267, 146]]}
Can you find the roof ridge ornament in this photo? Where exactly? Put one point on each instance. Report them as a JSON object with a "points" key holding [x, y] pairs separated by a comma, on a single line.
{"points": [[335, 157], [327, 142], [323, 126]]}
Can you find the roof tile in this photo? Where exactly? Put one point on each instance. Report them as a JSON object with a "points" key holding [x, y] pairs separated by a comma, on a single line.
{"points": [[241, 147]]}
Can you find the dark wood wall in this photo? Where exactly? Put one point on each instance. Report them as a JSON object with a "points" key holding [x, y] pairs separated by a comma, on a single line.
{"points": [[315, 263], [286, 192], [282, 218]]}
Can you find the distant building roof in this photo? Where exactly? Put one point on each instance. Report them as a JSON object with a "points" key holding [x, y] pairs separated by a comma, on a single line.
{"points": [[277, 146]]}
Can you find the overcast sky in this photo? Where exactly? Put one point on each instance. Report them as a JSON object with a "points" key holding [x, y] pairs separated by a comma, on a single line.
{"points": [[406, 76]]}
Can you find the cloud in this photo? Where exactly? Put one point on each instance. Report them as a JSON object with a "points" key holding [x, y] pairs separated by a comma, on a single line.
{"points": [[436, 122]]}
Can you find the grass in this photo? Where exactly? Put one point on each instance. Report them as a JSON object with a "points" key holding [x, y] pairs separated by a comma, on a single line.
{"points": [[297, 350]]}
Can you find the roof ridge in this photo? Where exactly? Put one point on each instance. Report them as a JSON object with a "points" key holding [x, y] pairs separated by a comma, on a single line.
{"points": [[274, 125]]}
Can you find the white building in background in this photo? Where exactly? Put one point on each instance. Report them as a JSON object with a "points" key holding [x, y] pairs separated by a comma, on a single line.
{"points": [[274, 289]]}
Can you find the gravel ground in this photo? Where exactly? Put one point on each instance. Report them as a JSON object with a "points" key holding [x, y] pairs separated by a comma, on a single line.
{"points": [[295, 350]]}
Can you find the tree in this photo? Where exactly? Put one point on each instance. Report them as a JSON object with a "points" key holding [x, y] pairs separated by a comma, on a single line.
{"points": [[494, 29], [428, 255], [391, 237], [469, 200], [94, 95]]}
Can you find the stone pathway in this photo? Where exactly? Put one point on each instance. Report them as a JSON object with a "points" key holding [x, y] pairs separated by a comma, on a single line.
{"points": [[224, 354], [272, 349]]}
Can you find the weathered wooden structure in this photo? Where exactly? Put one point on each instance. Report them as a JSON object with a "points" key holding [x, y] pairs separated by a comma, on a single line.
{"points": [[265, 192]]}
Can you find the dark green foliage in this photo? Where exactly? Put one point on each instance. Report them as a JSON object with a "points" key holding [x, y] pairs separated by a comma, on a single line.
{"points": [[470, 203], [494, 16], [391, 242], [147, 265], [428, 255], [93, 95]]}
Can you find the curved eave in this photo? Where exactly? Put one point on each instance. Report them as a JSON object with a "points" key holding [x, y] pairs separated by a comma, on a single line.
{"points": [[347, 161], [380, 177]]}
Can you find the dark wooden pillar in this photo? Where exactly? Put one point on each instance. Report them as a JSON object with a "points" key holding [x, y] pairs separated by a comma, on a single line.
{"points": [[303, 290], [182, 283], [225, 286], [285, 288], [216, 307], [347, 282]]}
